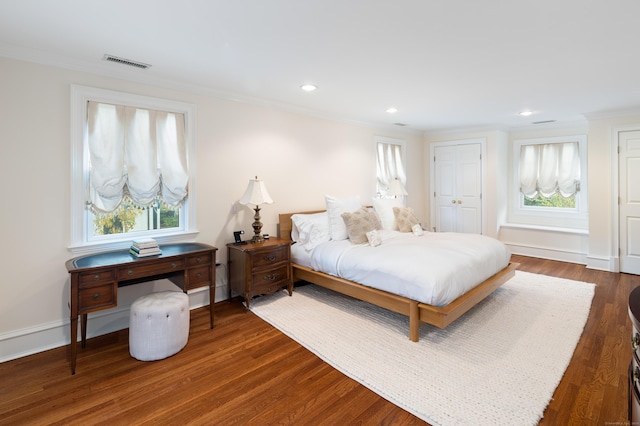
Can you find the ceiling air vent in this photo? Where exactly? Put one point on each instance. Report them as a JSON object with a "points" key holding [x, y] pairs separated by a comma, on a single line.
{"points": [[111, 58], [400, 124], [544, 122]]}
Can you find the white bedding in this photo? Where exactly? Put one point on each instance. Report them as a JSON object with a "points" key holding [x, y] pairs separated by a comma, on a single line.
{"points": [[434, 268]]}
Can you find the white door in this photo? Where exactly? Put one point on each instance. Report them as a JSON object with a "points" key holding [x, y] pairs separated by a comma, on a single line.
{"points": [[458, 188], [629, 209]]}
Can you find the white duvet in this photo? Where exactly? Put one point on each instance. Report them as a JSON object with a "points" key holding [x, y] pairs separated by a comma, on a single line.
{"points": [[434, 268]]}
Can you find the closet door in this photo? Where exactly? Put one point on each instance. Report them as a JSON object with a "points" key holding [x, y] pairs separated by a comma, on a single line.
{"points": [[629, 201], [457, 188]]}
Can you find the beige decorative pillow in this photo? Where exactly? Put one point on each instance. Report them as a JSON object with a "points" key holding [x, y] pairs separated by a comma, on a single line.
{"points": [[374, 218], [358, 223], [405, 218]]}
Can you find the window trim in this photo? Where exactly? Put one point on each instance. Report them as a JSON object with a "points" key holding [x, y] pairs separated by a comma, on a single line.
{"points": [[80, 95], [549, 216]]}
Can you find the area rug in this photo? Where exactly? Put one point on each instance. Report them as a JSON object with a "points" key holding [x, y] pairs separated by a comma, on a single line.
{"points": [[499, 364]]}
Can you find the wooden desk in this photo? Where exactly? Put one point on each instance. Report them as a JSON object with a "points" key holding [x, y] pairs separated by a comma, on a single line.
{"points": [[95, 279]]}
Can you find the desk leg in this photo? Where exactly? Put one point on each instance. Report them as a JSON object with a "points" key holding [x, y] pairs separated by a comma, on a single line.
{"points": [[83, 330], [74, 343], [212, 289], [212, 299]]}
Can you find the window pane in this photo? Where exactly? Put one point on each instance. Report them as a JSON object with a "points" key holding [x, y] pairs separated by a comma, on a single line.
{"points": [[128, 218], [556, 201]]}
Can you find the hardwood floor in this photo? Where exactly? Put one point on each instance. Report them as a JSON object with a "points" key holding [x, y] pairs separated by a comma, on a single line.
{"points": [[246, 372]]}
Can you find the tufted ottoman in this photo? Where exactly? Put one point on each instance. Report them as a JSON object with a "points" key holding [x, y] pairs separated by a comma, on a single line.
{"points": [[158, 325]]}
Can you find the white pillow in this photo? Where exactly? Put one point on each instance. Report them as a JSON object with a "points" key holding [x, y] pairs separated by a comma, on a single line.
{"points": [[384, 208], [309, 230], [335, 208]]}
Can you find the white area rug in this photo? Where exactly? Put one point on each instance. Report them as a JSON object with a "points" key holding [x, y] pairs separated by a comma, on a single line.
{"points": [[497, 365]]}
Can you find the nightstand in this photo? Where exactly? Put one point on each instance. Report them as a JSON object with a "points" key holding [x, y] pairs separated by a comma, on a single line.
{"points": [[259, 268]]}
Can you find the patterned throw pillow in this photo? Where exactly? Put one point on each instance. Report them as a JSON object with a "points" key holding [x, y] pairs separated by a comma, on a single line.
{"points": [[358, 223], [374, 238], [405, 218]]}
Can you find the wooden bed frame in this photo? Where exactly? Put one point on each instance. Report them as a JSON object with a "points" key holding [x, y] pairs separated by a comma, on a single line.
{"points": [[417, 312]]}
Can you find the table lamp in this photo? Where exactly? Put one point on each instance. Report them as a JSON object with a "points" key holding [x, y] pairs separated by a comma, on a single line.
{"points": [[396, 189], [257, 195]]}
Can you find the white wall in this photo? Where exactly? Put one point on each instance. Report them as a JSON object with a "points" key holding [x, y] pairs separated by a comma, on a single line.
{"points": [[300, 158]]}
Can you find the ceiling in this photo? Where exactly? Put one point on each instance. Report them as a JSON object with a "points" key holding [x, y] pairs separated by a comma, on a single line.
{"points": [[444, 64]]}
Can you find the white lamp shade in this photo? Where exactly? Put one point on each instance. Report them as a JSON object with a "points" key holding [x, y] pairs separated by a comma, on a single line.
{"points": [[396, 189], [256, 193]]}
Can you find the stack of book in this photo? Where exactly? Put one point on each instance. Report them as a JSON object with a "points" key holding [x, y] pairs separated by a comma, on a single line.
{"points": [[145, 247]]}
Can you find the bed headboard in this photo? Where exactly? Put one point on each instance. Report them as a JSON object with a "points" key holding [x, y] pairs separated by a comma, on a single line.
{"points": [[285, 225]]}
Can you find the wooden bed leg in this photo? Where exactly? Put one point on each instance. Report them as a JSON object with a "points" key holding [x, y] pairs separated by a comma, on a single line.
{"points": [[414, 321]]}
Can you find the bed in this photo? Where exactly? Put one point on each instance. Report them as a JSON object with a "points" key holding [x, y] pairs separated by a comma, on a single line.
{"points": [[418, 312]]}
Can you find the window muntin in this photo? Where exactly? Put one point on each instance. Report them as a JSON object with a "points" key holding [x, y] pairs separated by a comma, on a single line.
{"points": [[156, 219]]}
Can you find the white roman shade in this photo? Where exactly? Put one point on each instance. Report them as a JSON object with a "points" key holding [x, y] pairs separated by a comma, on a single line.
{"points": [[135, 153], [389, 165], [547, 169]]}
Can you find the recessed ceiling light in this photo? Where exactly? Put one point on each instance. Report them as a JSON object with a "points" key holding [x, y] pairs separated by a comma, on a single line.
{"points": [[392, 110], [526, 113], [308, 87]]}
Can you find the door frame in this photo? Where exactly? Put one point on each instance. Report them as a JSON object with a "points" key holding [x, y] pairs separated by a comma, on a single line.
{"points": [[483, 164], [615, 191]]}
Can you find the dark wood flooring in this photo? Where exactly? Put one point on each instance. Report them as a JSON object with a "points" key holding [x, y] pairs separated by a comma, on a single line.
{"points": [[246, 372]]}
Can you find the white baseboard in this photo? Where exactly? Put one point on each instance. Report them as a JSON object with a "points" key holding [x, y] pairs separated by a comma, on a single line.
{"points": [[609, 264], [548, 253], [28, 341]]}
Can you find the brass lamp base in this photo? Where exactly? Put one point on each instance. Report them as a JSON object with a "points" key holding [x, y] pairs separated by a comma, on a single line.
{"points": [[257, 227]]}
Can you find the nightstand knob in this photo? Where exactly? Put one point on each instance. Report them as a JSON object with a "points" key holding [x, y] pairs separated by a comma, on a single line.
{"points": [[199, 259], [96, 277], [199, 275], [270, 258], [272, 277], [173, 265], [96, 296], [130, 272]]}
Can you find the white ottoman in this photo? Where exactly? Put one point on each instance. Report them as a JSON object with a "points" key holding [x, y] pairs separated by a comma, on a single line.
{"points": [[158, 325]]}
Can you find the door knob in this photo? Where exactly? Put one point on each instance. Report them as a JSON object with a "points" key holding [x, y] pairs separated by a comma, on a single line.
{"points": [[453, 201], [459, 201]]}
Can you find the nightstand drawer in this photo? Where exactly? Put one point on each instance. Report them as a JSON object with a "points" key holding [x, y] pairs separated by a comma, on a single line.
{"points": [[271, 257], [95, 277], [271, 276], [93, 297], [198, 276], [132, 272]]}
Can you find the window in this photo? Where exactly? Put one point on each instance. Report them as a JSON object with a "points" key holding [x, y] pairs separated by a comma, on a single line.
{"points": [[550, 181], [132, 173], [389, 165]]}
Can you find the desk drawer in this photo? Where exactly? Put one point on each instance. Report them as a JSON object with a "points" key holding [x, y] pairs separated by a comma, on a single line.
{"points": [[99, 276], [270, 257], [198, 277], [146, 270], [99, 296], [201, 259]]}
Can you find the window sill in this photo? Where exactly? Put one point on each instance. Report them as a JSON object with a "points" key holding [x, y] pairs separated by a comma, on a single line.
{"points": [[91, 248], [546, 228]]}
